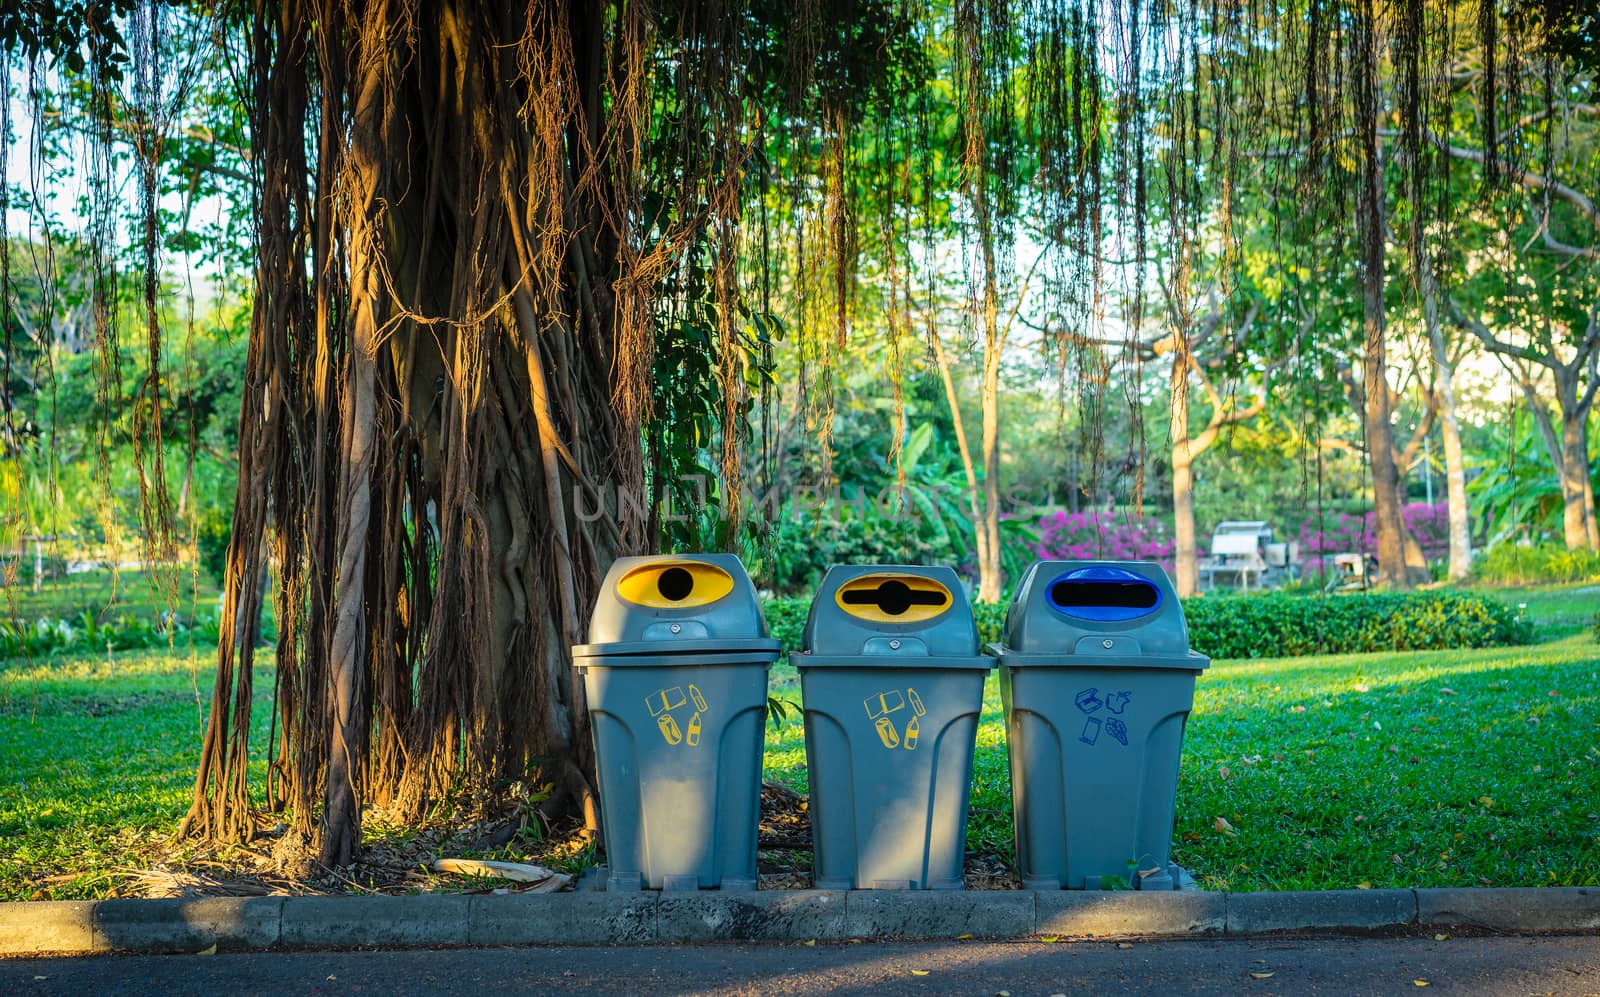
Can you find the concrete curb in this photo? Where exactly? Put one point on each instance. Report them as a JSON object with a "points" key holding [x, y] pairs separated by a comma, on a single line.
{"points": [[588, 918]]}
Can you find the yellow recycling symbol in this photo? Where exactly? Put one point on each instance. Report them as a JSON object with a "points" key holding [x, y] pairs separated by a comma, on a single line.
{"points": [[880, 707], [662, 702]]}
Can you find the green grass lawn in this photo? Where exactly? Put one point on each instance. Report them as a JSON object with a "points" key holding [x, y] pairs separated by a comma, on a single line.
{"points": [[1436, 768], [1560, 610], [100, 761], [1416, 769], [109, 594]]}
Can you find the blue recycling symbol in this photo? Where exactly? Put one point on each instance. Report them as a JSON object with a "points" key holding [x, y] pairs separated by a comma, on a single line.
{"points": [[1090, 702]]}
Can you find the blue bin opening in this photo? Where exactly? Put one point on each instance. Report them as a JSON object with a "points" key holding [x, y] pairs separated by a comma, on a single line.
{"points": [[1105, 595]]}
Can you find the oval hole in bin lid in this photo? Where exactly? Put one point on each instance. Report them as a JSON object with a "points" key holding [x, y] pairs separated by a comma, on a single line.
{"points": [[1105, 595]]}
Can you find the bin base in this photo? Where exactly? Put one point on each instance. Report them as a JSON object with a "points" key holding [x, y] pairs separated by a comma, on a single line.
{"points": [[1173, 877], [597, 879]]}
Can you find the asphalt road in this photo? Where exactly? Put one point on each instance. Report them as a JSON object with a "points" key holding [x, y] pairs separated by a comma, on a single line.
{"points": [[1512, 966]]}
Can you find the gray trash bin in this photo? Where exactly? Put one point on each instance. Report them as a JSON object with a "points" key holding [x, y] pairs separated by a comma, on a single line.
{"points": [[1097, 680], [676, 678], [891, 683]]}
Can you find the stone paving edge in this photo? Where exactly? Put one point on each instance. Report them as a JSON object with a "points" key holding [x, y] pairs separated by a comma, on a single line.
{"points": [[589, 918]]}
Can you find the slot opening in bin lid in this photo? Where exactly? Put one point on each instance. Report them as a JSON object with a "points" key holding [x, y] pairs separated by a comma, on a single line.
{"points": [[1104, 594], [885, 597]]}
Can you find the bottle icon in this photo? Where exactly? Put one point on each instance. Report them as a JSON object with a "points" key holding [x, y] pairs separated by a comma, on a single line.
{"points": [[914, 728]]}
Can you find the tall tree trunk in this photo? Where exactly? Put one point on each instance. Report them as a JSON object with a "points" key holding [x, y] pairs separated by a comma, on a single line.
{"points": [[1577, 495], [1184, 554], [1378, 430], [989, 574], [975, 495], [1449, 426], [433, 372], [346, 751], [1568, 447]]}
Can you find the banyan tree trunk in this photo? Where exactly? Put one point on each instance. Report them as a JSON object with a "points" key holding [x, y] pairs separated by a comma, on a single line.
{"points": [[432, 378]]}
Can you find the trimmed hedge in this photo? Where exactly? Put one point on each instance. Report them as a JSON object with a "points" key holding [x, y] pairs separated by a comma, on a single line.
{"points": [[1277, 626], [1281, 626]]}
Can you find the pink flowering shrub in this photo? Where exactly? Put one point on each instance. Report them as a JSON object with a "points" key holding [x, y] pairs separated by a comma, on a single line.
{"points": [[1093, 536], [1345, 533]]}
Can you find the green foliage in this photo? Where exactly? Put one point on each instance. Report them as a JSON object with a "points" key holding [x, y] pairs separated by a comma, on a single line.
{"points": [[87, 635], [212, 532], [1514, 564], [991, 619], [924, 522], [786, 619], [65, 30], [1516, 490], [1274, 626]]}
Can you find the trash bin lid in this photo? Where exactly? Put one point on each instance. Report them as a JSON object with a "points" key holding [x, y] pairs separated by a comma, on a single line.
{"points": [[894, 614], [679, 604], [1090, 611]]}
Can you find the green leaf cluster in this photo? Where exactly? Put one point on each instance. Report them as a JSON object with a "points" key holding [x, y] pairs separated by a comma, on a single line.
{"points": [[1514, 564]]}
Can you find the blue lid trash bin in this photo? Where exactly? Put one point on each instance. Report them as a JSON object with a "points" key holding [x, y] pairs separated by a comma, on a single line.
{"points": [[1097, 681], [676, 679], [891, 685]]}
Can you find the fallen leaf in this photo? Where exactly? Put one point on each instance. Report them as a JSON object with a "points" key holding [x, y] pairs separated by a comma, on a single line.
{"points": [[1447, 691], [1221, 824], [208, 950], [1419, 983], [1002, 993], [1364, 885], [332, 977], [1224, 772], [810, 943], [1441, 938], [1050, 939], [1362, 687], [962, 938], [1262, 976], [919, 972], [1487, 801], [1297, 709]]}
